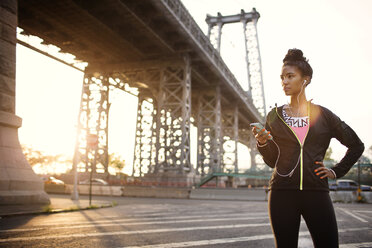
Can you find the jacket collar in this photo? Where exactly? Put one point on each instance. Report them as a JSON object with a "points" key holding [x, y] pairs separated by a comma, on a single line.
{"points": [[310, 106]]}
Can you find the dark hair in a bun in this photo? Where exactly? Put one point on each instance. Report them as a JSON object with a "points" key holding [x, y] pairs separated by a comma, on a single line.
{"points": [[295, 57]]}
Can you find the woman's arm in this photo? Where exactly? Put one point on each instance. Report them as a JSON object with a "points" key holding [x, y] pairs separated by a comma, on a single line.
{"points": [[346, 135], [266, 147]]}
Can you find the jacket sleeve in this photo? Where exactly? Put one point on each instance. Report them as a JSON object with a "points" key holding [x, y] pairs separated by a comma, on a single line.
{"points": [[269, 151], [346, 135]]}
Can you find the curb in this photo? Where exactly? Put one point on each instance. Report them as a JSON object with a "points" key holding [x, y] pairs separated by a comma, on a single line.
{"points": [[55, 211]]}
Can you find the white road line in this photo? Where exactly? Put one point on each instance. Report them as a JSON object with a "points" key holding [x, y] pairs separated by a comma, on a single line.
{"points": [[363, 214], [152, 218], [106, 217], [130, 224], [305, 242], [174, 221], [140, 223], [206, 242], [353, 215], [95, 234], [166, 211], [232, 240], [22, 230], [363, 211], [357, 245]]}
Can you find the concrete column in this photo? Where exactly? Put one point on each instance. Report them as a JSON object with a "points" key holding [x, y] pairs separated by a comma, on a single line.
{"points": [[18, 183]]}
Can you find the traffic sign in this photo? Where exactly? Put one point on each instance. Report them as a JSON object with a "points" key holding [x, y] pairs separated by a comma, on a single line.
{"points": [[92, 140]]}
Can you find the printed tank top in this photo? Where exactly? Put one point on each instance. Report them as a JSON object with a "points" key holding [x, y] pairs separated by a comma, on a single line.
{"points": [[299, 125]]}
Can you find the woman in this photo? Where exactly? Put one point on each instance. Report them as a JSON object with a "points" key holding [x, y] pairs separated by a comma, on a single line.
{"points": [[301, 132]]}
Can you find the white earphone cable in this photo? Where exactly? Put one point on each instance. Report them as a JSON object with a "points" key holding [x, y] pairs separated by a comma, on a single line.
{"points": [[277, 159]]}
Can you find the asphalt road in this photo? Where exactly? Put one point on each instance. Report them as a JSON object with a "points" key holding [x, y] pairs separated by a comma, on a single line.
{"points": [[162, 223]]}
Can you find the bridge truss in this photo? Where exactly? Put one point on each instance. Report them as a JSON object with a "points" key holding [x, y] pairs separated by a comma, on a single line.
{"points": [[162, 138], [255, 91], [188, 84]]}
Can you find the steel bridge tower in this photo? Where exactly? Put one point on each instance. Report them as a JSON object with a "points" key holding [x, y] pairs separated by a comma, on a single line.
{"points": [[252, 50], [252, 56]]}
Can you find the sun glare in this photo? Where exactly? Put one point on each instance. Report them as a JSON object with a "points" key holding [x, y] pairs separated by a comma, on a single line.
{"points": [[48, 97], [48, 100]]}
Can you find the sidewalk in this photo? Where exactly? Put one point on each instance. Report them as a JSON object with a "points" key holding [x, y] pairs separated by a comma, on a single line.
{"points": [[59, 203]]}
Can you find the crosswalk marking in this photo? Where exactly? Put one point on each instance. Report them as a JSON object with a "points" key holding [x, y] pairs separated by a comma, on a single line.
{"points": [[357, 245], [157, 218], [353, 215], [206, 242], [22, 230], [135, 223], [125, 223], [95, 234], [363, 211], [239, 239], [173, 229]]}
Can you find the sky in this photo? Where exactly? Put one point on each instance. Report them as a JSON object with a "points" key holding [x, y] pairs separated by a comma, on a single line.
{"points": [[334, 35]]}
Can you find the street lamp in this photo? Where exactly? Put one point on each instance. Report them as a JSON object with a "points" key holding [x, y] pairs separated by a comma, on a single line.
{"points": [[92, 142]]}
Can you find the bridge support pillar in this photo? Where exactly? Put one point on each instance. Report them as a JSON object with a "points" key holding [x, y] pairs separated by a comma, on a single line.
{"points": [[18, 183], [173, 120], [144, 148], [256, 158], [230, 130], [91, 148], [209, 132]]}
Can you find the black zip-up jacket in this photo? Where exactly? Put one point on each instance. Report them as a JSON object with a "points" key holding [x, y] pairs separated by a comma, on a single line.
{"points": [[324, 125]]}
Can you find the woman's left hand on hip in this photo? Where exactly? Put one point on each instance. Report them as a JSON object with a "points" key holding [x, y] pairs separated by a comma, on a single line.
{"points": [[323, 171]]}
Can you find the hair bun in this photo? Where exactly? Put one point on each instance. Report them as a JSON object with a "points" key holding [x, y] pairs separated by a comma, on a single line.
{"points": [[294, 55]]}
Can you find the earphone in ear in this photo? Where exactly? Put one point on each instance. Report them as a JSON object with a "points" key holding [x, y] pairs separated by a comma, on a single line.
{"points": [[304, 82]]}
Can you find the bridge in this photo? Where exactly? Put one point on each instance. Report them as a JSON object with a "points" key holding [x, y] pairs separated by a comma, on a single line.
{"points": [[154, 47]]}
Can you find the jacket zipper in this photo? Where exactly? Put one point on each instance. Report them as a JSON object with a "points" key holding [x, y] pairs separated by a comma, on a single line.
{"points": [[301, 145]]}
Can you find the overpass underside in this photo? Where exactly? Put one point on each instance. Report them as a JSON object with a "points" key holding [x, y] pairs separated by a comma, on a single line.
{"points": [[167, 107], [156, 47]]}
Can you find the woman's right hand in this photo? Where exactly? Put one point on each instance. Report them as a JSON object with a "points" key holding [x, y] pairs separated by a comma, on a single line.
{"points": [[262, 137]]}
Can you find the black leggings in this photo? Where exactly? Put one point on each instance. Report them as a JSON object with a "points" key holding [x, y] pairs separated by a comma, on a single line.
{"points": [[286, 208]]}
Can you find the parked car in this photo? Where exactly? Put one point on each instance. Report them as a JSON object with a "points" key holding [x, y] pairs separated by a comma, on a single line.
{"points": [[95, 181], [366, 187], [53, 185], [332, 186], [348, 185], [52, 180]]}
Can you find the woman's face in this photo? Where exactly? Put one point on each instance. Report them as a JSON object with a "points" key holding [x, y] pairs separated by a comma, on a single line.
{"points": [[292, 80]]}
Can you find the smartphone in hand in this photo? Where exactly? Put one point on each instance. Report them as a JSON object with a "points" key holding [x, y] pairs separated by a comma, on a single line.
{"points": [[259, 127]]}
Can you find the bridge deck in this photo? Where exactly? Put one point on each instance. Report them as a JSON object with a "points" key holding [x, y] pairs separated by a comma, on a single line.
{"points": [[117, 34]]}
